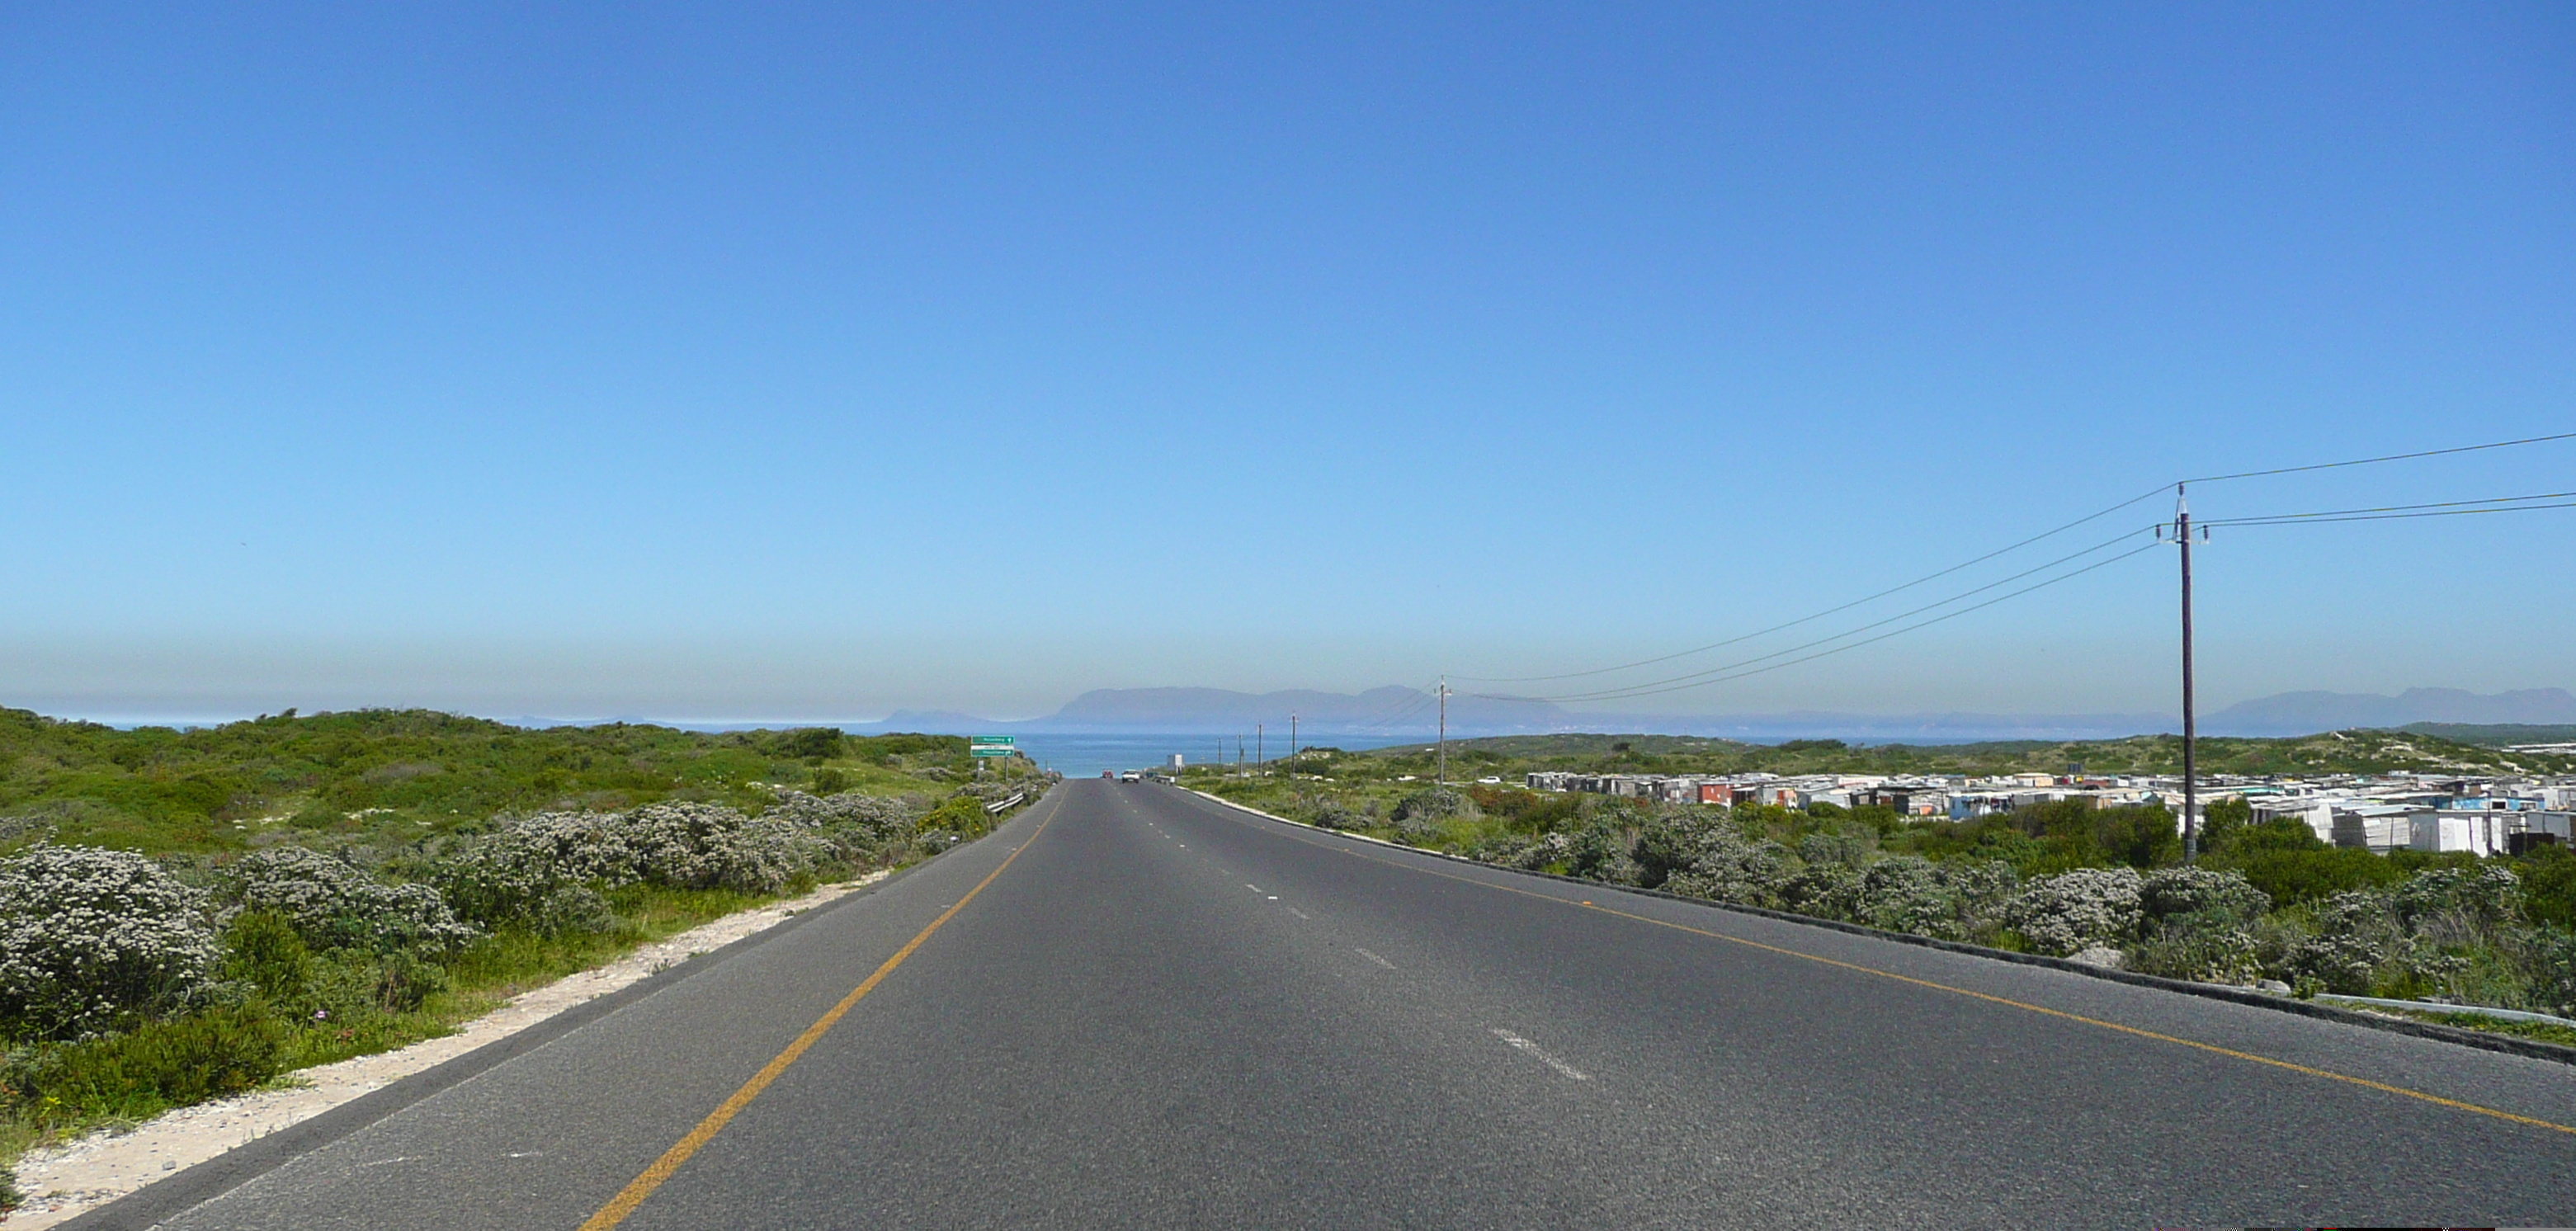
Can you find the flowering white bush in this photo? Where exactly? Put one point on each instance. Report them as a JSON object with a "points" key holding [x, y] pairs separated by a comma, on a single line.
{"points": [[1825, 890], [335, 905], [2068, 912], [544, 870], [2462, 898], [701, 846], [1718, 862], [2200, 898], [877, 816], [88, 936]]}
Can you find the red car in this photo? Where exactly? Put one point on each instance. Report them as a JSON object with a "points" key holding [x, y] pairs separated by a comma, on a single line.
{"points": [[1109, 774]]}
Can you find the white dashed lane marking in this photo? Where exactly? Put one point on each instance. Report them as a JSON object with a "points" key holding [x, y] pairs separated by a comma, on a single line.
{"points": [[1375, 958], [1562, 1068], [1300, 914]]}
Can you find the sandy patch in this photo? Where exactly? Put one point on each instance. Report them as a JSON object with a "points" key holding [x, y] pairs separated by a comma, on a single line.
{"points": [[63, 1181]]}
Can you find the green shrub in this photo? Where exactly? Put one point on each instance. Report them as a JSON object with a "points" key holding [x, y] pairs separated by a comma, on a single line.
{"points": [[1418, 815], [2548, 886], [2224, 818], [2204, 950], [1604, 850], [263, 951], [156, 1066], [2472, 899], [2310, 874], [961, 814], [808, 742]]}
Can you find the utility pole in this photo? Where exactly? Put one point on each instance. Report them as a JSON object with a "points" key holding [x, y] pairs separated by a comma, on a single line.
{"points": [[1260, 760], [2190, 731], [1444, 731], [1292, 737]]}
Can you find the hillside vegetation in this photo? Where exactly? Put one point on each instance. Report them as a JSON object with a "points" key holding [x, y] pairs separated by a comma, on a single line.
{"points": [[2332, 752], [188, 914], [2264, 902]]}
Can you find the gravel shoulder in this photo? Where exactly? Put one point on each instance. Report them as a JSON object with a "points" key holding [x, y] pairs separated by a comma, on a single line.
{"points": [[65, 1181]]}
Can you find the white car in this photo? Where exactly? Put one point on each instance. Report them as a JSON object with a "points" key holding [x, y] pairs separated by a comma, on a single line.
{"points": [[1131, 776]]}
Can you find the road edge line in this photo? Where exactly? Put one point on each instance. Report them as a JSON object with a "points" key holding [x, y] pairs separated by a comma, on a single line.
{"points": [[157, 1203], [651, 1179], [2532, 1049]]}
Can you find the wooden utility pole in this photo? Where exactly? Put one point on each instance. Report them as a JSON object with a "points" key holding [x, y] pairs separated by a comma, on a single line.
{"points": [[2190, 731], [1444, 731], [1260, 759]]}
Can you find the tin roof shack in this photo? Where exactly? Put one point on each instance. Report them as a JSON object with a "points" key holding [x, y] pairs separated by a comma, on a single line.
{"points": [[2478, 830], [2378, 828]]}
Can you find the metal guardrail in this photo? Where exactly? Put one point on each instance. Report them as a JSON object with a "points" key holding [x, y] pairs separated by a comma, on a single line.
{"points": [[2427, 1006], [996, 807]]}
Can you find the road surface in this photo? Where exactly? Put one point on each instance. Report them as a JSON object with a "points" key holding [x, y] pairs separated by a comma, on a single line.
{"points": [[1145, 1009]]}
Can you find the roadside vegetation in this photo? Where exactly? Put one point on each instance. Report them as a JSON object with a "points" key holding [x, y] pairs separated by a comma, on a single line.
{"points": [[2264, 904], [186, 915], [2331, 752]]}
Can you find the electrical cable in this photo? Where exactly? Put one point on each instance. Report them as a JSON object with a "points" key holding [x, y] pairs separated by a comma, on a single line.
{"points": [[1644, 690], [2313, 519], [1414, 704], [2389, 513], [2388, 508], [1808, 619], [1606, 693], [2393, 457]]}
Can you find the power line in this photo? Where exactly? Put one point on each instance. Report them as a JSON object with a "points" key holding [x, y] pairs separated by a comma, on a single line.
{"points": [[2393, 457], [1420, 699], [1808, 619], [1646, 690], [2294, 518], [1902, 615], [2445, 508]]}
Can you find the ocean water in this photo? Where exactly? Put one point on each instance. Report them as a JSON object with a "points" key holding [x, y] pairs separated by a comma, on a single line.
{"points": [[1084, 756]]}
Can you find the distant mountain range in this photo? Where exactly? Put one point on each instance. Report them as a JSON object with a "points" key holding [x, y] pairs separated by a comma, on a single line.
{"points": [[1402, 712], [2297, 713], [1378, 711]]}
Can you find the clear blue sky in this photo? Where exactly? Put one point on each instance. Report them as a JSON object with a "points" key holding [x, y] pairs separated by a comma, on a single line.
{"points": [[762, 361]]}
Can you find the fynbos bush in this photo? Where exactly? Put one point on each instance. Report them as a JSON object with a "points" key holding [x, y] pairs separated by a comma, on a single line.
{"points": [[543, 871], [2071, 911], [90, 936], [1419, 815], [2459, 900], [875, 816], [701, 846], [2355, 934], [335, 905]]}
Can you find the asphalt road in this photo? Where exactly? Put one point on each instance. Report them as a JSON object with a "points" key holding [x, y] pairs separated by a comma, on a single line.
{"points": [[1165, 1012]]}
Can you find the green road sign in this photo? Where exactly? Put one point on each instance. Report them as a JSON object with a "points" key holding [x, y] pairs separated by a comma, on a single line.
{"points": [[990, 746], [989, 750]]}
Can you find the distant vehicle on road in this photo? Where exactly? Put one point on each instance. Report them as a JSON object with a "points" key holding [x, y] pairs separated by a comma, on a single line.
{"points": [[1109, 773], [1131, 776]]}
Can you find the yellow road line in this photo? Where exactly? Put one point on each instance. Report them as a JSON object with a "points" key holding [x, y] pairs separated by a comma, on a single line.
{"points": [[642, 1186], [2212, 1048]]}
